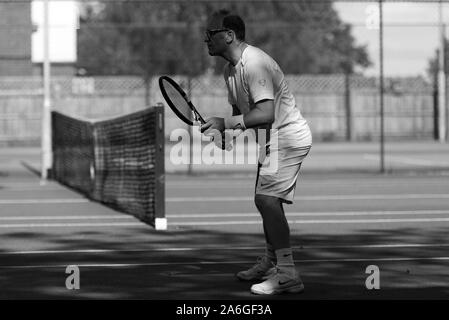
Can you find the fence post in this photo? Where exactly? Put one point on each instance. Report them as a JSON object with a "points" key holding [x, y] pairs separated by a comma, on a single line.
{"points": [[348, 113], [46, 156], [436, 101], [442, 78], [381, 88], [189, 94]]}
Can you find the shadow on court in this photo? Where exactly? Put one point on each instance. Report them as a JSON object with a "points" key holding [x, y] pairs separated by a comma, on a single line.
{"points": [[137, 262], [332, 267]]}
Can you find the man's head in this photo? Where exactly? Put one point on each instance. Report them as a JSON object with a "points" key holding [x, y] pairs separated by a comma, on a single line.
{"points": [[223, 30]]}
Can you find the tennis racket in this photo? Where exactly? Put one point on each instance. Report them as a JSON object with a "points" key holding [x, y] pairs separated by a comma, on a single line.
{"points": [[178, 101], [181, 105]]}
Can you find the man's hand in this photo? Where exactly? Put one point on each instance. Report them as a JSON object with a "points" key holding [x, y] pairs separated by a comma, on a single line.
{"points": [[224, 140], [213, 123]]}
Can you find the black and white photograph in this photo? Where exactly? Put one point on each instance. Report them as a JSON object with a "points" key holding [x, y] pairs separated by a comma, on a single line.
{"points": [[224, 158]]}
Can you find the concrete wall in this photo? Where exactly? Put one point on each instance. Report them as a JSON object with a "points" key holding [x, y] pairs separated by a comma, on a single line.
{"points": [[15, 39]]}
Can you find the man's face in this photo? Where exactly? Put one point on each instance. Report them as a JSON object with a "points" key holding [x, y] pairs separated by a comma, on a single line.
{"points": [[214, 37]]}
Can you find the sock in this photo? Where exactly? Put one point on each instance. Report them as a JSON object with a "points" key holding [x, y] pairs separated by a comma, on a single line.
{"points": [[285, 260], [269, 253]]}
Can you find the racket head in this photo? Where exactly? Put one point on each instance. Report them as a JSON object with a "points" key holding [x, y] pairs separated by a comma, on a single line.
{"points": [[178, 101]]}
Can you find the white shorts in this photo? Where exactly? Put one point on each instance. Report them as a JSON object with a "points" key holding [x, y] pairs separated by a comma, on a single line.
{"points": [[278, 171]]}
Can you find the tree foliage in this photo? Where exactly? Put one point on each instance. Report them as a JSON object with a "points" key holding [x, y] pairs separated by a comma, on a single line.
{"points": [[148, 38]]}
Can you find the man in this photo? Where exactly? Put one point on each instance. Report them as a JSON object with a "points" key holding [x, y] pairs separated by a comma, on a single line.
{"points": [[260, 97]]}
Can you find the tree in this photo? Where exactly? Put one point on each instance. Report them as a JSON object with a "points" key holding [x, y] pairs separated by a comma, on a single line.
{"points": [[138, 38], [148, 38], [304, 37]]}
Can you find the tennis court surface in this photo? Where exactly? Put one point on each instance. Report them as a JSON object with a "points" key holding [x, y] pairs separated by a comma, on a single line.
{"points": [[341, 223]]}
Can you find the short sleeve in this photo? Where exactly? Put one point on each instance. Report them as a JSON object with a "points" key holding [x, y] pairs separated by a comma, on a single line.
{"points": [[259, 80]]}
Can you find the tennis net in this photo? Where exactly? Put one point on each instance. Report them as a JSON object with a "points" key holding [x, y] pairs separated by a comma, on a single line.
{"points": [[118, 161]]}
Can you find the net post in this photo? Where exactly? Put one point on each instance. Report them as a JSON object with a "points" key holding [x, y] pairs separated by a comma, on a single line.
{"points": [[52, 172], [160, 221]]}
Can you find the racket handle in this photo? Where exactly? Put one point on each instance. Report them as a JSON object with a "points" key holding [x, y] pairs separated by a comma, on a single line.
{"points": [[227, 139], [234, 134]]}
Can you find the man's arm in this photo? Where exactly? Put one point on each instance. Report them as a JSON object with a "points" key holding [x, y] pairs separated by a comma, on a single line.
{"points": [[262, 114]]}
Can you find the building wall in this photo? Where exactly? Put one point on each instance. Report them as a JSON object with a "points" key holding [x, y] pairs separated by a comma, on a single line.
{"points": [[56, 69], [15, 39]]}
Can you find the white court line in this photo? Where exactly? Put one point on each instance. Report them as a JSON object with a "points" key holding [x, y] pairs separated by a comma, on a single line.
{"points": [[22, 189], [69, 225], [318, 198], [343, 221], [42, 201], [216, 223], [120, 217], [244, 184], [312, 214], [218, 199], [30, 184], [153, 264], [408, 160], [227, 248]]}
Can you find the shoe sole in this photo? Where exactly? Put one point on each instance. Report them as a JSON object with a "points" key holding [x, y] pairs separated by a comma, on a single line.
{"points": [[294, 289]]}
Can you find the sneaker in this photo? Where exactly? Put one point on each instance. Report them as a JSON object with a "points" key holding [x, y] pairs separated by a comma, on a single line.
{"points": [[261, 270], [280, 282], [271, 272]]}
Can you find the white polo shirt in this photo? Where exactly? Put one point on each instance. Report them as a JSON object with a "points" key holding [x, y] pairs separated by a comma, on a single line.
{"points": [[257, 77]]}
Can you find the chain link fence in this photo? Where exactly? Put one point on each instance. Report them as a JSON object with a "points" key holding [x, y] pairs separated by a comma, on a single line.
{"points": [[338, 107]]}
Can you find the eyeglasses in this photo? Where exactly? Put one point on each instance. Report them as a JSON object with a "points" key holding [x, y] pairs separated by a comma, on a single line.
{"points": [[210, 33]]}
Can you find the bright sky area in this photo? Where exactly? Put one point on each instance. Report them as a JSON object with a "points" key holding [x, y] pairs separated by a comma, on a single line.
{"points": [[411, 34]]}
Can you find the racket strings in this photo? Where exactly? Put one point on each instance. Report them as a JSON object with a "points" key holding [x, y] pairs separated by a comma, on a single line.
{"points": [[178, 100]]}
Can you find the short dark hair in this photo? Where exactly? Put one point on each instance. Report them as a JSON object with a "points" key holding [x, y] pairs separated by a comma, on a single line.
{"points": [[232, 22]]}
